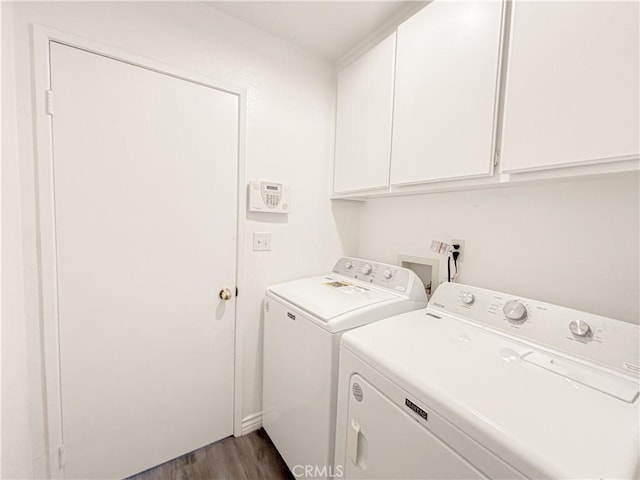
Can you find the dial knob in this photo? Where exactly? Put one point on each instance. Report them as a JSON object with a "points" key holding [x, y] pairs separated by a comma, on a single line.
{"points": [[387, 274], [366, 269], [349, 265], [468, 298], [514, 310], [580, 328]]}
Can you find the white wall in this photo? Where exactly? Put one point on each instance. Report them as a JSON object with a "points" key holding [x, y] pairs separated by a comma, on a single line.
{"points": [[289, 138], [572, 243], [16, 447]]}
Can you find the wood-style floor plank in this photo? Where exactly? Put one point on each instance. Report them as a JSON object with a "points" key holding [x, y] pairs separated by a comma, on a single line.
{"points": [[250, 457]]}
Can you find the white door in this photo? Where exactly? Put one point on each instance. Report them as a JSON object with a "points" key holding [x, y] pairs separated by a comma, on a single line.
{"points": [[145, 176]]}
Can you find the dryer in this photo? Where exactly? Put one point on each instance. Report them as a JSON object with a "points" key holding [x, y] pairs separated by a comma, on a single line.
{"points": [[303, 323], [483, 384]]}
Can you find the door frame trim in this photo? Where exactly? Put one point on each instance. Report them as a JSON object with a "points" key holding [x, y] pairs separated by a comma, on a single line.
{"points": [[47, 328]]}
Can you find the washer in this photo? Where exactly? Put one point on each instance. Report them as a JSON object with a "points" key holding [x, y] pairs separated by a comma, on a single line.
{"points": [[303, 322], [483, 384]]}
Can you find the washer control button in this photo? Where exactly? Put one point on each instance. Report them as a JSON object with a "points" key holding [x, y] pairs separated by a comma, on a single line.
{"points": [[388, 274], [515, 310], [349, 265], [467, 298], [580, 328]]}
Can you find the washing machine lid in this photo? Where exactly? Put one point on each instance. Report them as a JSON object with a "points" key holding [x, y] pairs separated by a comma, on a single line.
{"points": [[574, 422], [329, 296]]}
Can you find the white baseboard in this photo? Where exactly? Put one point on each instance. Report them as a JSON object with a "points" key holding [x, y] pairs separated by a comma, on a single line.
{"points": [[251, 423]]}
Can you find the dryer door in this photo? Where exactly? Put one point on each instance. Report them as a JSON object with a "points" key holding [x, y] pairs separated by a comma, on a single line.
{"points": [[385, 441]]}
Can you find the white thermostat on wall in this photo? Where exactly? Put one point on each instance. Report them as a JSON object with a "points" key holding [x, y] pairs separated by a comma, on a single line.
{"points": [[270, 197]]}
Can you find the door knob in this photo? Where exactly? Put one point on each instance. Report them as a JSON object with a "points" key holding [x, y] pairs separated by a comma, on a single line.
{"points": [[225, 294]]}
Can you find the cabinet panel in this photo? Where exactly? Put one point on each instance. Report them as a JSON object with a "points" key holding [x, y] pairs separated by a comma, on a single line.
{"points": [[572, 86], [363, 125], [447, 70]]}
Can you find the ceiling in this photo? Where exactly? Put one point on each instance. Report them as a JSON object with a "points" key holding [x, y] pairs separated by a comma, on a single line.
{"points": [[326, 28]]}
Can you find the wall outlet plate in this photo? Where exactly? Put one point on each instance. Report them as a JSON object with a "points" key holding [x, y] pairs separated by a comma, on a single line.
{"points": [[458, 241]]}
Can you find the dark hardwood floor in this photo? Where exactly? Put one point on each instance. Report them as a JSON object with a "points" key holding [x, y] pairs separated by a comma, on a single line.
{"points": [[252, 456]]}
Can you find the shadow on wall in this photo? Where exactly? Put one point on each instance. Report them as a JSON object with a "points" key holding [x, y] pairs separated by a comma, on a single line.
{"points": [[267, 217], [346, 217]]}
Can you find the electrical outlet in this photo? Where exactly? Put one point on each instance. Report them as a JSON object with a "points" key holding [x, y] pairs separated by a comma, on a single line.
{"points": [[458, 241], [261, 242]]}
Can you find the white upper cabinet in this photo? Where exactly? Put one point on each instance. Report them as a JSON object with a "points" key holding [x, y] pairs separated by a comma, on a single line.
{"points": [[363, 124], [447, 72], [572, 85]]}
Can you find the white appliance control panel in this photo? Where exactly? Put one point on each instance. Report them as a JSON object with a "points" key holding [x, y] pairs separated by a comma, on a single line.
{"points": [[605, 341], [395, 278]]}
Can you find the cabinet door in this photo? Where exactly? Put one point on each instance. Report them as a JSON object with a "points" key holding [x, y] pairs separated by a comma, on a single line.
{"points": [[447, 70], [572, 84], [363, 125]]}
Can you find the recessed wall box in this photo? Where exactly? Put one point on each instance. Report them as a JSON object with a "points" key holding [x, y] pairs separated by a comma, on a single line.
{"points": [[269, 197], [427, 270]]}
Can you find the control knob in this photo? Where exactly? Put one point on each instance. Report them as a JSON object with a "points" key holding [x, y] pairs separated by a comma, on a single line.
{"points": [[580, 328], [349, 265], [514, 310], [387, 274], [468, 298], [366, 269]]}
